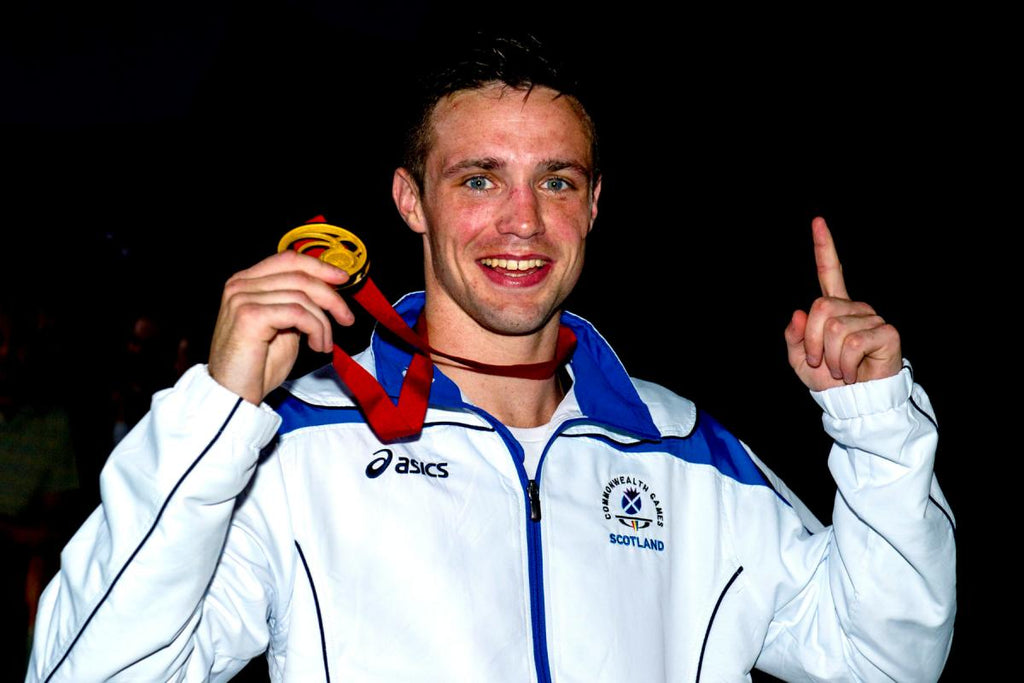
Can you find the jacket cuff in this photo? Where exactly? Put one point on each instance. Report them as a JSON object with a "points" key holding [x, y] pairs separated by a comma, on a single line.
{"points": [[255, 425], [864, 398]]}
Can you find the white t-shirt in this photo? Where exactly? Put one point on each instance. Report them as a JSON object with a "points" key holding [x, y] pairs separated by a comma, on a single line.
{"points": [[533, 439]]}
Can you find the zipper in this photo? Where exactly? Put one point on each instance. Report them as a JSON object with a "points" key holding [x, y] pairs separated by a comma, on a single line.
{"points": [[534, 495], [531, 490], [533, 544], [533, 538], [540, 639]]}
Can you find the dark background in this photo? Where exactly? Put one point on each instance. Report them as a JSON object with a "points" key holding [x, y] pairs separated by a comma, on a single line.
{"points": [[153, 151]]}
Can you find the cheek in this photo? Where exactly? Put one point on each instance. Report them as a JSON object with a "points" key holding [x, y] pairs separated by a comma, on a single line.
{"points": [[573, 222], [576, 210], [461, 222]]}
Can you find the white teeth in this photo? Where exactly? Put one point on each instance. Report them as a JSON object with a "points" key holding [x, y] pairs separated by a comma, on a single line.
{"points": [[512, 264]]}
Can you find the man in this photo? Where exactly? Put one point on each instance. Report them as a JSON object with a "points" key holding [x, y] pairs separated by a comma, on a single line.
{"points": [[581, 526]]}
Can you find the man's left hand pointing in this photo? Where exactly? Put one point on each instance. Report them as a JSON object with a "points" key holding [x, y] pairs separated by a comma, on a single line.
{"points": [[839, 341]]}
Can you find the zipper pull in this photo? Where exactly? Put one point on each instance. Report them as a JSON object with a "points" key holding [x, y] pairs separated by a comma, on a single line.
{"points": [[534, 496]]}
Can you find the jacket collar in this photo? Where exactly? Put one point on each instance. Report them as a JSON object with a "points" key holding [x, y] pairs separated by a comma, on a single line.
{"points": [[603, 389]]}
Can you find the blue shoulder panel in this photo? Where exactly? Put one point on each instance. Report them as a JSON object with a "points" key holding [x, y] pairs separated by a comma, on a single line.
{"points": [[296, 414], [709, 444], [603, 388]]}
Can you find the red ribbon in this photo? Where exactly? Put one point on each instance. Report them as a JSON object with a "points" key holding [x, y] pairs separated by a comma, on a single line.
{"points": [[404, 419]]}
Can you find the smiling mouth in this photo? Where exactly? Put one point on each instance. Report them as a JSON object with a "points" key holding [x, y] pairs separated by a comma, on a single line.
{"points": [[513, 265]]}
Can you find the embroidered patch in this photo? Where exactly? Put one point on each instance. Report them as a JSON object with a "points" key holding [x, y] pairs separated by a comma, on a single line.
{"points": [[630, 502]]}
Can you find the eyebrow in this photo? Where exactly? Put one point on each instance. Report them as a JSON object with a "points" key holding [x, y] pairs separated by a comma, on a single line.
{"points": [[491, 164], [562, 164], [484, 164]]}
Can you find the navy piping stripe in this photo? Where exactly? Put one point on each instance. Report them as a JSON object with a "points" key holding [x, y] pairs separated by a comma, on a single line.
{"points": [[319, 616], [624, 444], [920, 410], [640, 442], [481, 428], [949, 517], [714, 612], [627, 444], [289, 425], [145, 538], [906, 366], [318, 406], [287, 428], [693, 429]]}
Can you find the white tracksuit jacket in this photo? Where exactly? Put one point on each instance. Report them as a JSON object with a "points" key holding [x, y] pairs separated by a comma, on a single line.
{"points": [[664, 550]]}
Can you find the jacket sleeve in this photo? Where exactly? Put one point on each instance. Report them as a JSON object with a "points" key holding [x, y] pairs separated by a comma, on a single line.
{"points": [[875, 596], [147, 588]]}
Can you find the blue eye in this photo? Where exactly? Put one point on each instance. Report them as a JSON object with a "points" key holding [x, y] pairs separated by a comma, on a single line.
{"points": [[557, 184], [478, 182]]}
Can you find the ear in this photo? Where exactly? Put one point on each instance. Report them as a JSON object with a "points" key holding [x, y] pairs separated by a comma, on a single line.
{"points": [[406, 194], [593, 201]]}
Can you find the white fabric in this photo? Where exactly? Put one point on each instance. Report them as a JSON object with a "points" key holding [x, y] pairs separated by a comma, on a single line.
{"points": [[205, 554]]}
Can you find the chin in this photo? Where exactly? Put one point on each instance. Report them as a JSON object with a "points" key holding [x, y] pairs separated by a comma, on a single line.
{"points": [[517, 324]]}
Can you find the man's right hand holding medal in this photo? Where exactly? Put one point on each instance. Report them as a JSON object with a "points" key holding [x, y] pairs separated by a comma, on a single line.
{"points": [[263, 311]]}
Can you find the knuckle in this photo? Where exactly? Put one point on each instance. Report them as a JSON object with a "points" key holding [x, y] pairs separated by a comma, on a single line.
{"points": [[231, 287], [890, 332], [855, 342], [865, 308], [294, 309], [247, 308], [834, 326], [825, 306], [246, 312], [234, 298], [299, 281]]}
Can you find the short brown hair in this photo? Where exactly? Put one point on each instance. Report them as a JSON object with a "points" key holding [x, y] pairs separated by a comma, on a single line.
{"points": [[519, 62]]}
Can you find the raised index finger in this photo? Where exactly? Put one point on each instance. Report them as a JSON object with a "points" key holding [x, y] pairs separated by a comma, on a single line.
{"points": [[830, 270]]}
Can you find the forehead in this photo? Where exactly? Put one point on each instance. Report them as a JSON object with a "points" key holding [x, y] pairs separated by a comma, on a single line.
{"points": [[498, 120]]}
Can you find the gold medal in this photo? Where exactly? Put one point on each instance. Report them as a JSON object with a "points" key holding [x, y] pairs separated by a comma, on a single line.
{"points": [[331, 244]]}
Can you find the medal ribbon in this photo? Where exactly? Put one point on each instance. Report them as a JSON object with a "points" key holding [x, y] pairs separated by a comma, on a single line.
{"points": [[404, 419]]}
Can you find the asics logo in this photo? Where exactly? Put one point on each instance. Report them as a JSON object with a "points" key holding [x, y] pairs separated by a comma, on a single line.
{"points": [[378, 465], [404, 465]]}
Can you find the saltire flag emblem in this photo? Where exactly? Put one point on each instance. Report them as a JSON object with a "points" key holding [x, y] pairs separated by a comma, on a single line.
{"points": [[631, 504]]}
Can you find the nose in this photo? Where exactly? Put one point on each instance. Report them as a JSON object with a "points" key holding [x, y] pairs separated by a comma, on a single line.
{"points": [[522, 215]]}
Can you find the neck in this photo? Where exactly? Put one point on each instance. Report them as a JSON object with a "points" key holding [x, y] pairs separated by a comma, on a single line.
{"points": [[515, 401]]}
